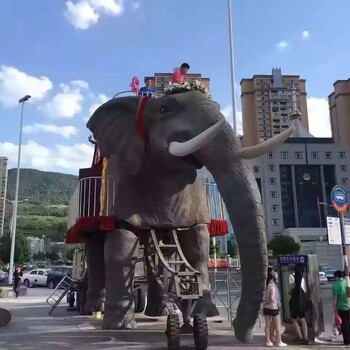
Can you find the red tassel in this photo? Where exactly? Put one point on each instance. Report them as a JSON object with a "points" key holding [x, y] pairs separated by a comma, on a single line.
{"points": [[139, 118]]}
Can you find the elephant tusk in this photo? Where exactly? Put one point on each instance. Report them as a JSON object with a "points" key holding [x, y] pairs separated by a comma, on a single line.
{"points": [[266, 146], [182, 149]]}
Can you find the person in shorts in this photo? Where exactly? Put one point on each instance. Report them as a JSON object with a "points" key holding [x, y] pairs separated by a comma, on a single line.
{"points": [[271, 311]]}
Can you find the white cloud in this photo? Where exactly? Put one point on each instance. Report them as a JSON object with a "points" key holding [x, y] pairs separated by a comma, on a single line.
{"points": [[68, 102], [14, 84], [283, 45], [64, 131], [110, 7], [227, 112], [68, 159], [81, 15], [305, 34], [85, 13], [319, 118], [101, 99], [136, 5]]}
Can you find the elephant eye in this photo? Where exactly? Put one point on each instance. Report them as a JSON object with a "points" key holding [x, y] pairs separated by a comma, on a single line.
{"points": [[163, 109]]}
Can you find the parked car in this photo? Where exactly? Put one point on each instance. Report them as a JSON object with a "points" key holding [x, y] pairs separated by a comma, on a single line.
{"points": [[330, 274], [36, 277], [56, 274], [323, 278]]}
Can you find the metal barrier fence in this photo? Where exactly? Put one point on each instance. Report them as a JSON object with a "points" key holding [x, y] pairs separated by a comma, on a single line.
{"points": [[226, 286]]}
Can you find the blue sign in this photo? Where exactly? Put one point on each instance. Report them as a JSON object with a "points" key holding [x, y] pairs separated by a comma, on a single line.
{"points": [[339, 198], [292, 260]]}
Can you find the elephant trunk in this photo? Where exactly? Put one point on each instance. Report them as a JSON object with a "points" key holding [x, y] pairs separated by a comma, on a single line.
{"points": [[241, 195]]}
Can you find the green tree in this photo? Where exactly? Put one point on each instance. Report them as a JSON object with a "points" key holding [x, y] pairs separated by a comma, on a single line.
{"points": [[22, 248], [283, 245], [217, 248]]}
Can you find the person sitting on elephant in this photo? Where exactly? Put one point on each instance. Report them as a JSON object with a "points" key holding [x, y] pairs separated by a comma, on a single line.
{"points": [[179, 75]]}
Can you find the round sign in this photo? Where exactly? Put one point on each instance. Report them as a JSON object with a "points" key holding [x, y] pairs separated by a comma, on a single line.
{"points": [[339, 199]]}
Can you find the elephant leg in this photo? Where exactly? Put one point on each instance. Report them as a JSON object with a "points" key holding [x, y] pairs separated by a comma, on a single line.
{"points": [[195, 244], [158, 303], [120, 250], [94, 247]]}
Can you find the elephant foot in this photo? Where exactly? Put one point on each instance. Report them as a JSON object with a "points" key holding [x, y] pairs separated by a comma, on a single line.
{"points": [[164, 309], [206, 306], [94, 306], [111, 321]]}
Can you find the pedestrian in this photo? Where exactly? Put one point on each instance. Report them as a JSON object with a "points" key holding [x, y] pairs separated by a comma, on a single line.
{"points": [[340, 304], [271, 311], [299, 305], [16, 280]]}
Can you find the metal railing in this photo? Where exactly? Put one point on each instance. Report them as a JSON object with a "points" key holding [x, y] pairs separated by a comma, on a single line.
{"points": [[137, 93], [94, 196], [226, 288]]}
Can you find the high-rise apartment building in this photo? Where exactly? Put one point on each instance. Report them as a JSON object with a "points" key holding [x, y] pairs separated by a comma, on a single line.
{"points": [[3, 187], [162, 80], [339, 107], [266, 104]]}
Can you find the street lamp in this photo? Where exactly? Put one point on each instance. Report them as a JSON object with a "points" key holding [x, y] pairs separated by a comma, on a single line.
{"points": [[14, 227], [232, 62]]}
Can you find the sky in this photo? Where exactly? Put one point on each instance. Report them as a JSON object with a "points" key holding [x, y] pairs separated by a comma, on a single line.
{"points": [[71, 56]]}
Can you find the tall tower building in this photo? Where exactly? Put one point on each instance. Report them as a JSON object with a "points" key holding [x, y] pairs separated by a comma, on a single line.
{"points": [[266, 104], [339, 107], [3, 187], [162, 80]]}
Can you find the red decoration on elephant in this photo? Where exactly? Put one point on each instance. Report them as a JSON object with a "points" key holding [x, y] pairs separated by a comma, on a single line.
{"points": [[139, 118], [135, 84]]}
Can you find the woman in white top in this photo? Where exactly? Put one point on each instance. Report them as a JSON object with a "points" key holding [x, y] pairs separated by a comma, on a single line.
{"points": [[271, 311]]}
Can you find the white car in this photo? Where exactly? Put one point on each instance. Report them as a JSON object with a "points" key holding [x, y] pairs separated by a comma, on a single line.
{"points": [[35, 277], [323, 278]]}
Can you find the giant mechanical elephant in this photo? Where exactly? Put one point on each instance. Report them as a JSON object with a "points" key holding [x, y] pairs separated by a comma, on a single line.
{"points": [[155, 148]]}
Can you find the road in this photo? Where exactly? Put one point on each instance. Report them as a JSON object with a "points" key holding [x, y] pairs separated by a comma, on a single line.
{"points": [[32, 328]]}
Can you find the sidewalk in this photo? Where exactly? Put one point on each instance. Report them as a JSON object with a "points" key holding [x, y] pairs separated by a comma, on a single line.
{"points": [[31, 328]]}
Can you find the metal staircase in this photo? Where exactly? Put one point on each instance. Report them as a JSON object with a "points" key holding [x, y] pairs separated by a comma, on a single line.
{"points": [[179, 277], [59, 293]]}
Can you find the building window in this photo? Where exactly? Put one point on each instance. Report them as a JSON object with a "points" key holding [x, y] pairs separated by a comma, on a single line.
{"points": [[273, 194], [270, 155], [275, 222], [314, 155], [256, 169], [345, 181], [342, 155], [298, 155], [343, 168], [328, 155], [284, 155], [272, 168], [274, 208], [272, 181]]}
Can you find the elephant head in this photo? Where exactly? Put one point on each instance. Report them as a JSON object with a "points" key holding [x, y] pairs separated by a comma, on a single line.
{"points": [[182, 133]]}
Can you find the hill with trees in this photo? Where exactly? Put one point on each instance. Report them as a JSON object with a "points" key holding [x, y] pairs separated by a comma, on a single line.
{"points": [[43, 207]]}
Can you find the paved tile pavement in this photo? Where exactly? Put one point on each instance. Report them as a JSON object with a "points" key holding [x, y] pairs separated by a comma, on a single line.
{"points": [[32, 328]]}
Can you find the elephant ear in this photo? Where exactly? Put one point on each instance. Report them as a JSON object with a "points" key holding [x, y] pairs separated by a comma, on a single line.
{"points": [[113, 126]]}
